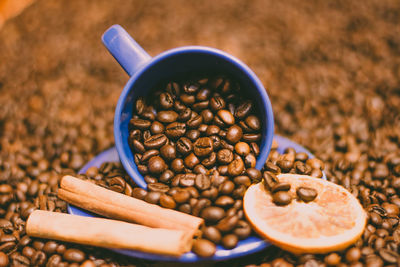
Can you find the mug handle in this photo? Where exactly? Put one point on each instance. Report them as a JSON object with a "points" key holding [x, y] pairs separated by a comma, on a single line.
{"points": [[129, 54]]}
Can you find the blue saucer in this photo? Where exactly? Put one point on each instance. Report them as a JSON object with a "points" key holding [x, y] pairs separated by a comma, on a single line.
{"points": [[248, 246]]}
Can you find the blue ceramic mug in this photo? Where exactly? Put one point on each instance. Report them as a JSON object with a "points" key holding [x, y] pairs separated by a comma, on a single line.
{"points": [[145, 72]]}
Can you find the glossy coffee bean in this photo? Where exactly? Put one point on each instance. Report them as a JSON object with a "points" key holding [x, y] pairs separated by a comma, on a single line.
{"points": [[227, 224], [281, 198], [306, 194], [175, 130], [203, 146], [155, 141], [168, 152], [226, 117], [281, 186], [229, 241], [152, 197], [202, 182], [156, 165], [74, 255], [213, 234], [234, 134], [242, 230], [167, 201], [212, 214], [204, 248], [242, 149]]}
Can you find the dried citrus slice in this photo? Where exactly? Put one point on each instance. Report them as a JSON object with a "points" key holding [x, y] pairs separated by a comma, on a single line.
{"points": [[332, 221]]}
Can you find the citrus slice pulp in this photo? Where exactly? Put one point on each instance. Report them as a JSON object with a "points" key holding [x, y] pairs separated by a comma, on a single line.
{"points": [[332, 221]]}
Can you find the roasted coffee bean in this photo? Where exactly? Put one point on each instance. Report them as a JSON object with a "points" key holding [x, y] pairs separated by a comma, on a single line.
{"points": [[236, 167], [202, 181], [193, 135], [281, 198], [226, 117], [185, 115], [193, 191], [200, 205], [282, 186], [242, 149], [211, 193], [167, 116], [229, 241], [211, 233], [158, 187], [155, 141], [184, 146], [181, 196], [204, 248], [152, 197], [353, 254], [200, 169], [225, 156], [234, 134], [203, 94], [175, 130], [270, 180], [167, 201], [218, 179], [150, 179], [140, 124], [203, 146], [254, 174], [138, 146], [50, 247], [74, 255], [217, 103], [388, 255], [168, 152], [306, 194], [227, 223], [4, 261], [242, 230], [212, 130], [224, 201], [157, 128], [194, 122], [148, 154], [177, 165], [239, 192], [243, 110], [207, 116], [191, 161], [251, 137], [166, 101], [253, 122], [226, 187], [156, 165], [242, 180], [212, 214]]}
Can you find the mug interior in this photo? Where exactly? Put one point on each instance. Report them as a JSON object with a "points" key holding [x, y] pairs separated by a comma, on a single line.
{"points": [[177, 63]]}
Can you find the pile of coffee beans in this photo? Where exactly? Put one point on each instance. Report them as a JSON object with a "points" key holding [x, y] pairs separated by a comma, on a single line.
{"points": [[193, 126]]}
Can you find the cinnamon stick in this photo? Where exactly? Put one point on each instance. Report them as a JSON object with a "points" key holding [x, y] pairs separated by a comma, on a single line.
{"points": [[114, 205], [107, 233]]}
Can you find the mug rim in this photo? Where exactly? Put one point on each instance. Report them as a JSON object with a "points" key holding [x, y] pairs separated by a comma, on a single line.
{"points": [[119, 143]]}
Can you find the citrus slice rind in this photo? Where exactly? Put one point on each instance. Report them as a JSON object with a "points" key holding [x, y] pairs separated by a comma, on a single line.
{"points": [[333, 221]]}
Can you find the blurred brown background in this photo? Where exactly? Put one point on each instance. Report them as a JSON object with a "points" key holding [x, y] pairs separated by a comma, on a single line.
{"points": [[331, 68]]}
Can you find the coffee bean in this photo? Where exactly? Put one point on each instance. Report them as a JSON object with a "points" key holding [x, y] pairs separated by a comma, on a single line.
{"points": [[157, 128], [251, 137], [353, 254], [234, 134], [200, 205], [229, 241], [224, 201], [185, 115], [140, 124], [211, 193], [50, 247], [207, 116], [138, 146], [175, 130], [217, 103], [225, 156], [177, 165], [158, 187], [203, 146], [193, 135], [156, 165], [253, 122], [236, 167], [194, 122], [167, 116], [202, 182], [242, 230], [282, 198], [211, 233], [168, 152], [4, 261], [226, 187], [388, 255], [242, 180], [187, 180], [281, 186], [166, 101], [74, 255], [203, 94], [212, 214], [148, 154], [242, 149], [152, 197], [226, 117], [181, 196], [184, 146], [204, 248], [200, 169], [191, 161], [306, 194], [227, 223], [243, 110], [155, 141], [167, 202], [332, 259]]}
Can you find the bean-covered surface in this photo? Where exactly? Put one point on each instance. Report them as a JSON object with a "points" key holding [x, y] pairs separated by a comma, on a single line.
{"points": [[331, 69]]}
